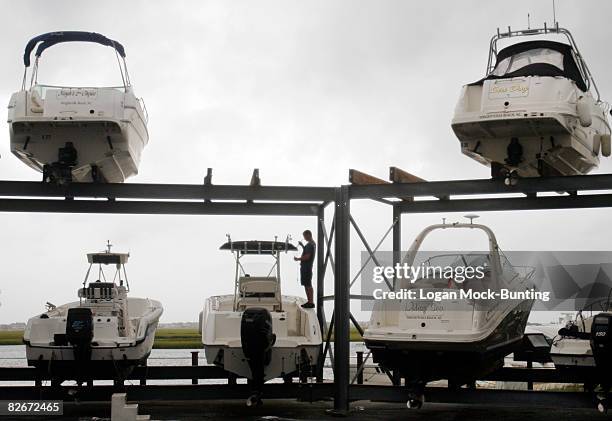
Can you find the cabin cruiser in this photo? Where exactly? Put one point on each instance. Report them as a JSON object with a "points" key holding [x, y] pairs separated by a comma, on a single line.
{"points": [[84, 134], [104, 332], [456, 338], [537, 111], [257, 332]]}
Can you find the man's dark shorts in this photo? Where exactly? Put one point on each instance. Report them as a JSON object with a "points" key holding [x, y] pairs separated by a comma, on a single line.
{"points": [[306, 278]]}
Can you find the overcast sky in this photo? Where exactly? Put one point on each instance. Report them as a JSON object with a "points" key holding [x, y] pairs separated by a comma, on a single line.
{"points": [[302, 90]]}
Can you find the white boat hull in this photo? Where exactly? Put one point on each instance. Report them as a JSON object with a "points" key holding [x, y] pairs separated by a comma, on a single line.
{"points": [[542, 114], [106, 126], [285, 361], [425, 355], [296, 349], [111, 355]]}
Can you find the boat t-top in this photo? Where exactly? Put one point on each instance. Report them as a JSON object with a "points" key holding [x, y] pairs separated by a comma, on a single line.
{"points": [[104, 333], [84, 134], [257, 332], [457, 338], [537, 111]]}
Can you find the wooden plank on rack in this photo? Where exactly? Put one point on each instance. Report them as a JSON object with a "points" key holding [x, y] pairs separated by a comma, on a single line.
{"points": [[399, 176], [361, 178]]}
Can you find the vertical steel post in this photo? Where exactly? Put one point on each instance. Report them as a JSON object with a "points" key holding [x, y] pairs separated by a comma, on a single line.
{"points": [[397, 237], [320, 284], [341, 301]]}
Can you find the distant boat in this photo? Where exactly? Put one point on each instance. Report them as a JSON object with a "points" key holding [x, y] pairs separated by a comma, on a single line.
{"points": [[84, 134], [537, 111], [104, 333]]}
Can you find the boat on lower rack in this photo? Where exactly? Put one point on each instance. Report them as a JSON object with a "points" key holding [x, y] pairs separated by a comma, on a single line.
{"points": [[257, 332], [104, 334], [459, 339]]}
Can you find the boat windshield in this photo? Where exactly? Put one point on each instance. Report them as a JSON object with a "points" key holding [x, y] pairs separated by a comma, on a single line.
{"points": [[525, 58], [436, 272]]}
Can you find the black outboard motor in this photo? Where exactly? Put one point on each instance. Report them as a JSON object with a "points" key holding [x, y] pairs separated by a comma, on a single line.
{"points": [[601, 342], [60, 172], [79, 332], [257, 340], [601, 345]]}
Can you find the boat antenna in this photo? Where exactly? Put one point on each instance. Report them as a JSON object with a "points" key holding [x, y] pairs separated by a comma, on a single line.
{"points": [[108, 246], [528, 22], [554, 13], [471, 217]]}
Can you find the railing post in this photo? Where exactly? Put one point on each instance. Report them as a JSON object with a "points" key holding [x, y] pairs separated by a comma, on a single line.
{"points": [[143, 381], [194, 363], [359, 364]]}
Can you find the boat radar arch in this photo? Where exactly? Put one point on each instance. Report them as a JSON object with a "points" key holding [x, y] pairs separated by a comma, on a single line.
{"points": [[493, 246]]}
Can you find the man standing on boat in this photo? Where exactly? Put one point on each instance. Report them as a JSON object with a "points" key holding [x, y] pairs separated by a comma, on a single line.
{"points": [[306, 260]]}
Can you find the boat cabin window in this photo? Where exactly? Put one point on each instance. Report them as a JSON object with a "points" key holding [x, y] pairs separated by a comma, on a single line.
{"points": [[525, 58]]}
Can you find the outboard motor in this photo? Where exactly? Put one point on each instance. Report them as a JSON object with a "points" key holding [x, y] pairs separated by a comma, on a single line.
{"points": [[257, 340], [79, 332], [601, 342], [515, 152], [601, 345], [61, 171]]}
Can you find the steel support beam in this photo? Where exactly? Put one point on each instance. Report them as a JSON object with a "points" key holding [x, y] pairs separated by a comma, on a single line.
{"points": [[166, 191], [484, 186], [341, 301], [157, 207], [505, 204]]}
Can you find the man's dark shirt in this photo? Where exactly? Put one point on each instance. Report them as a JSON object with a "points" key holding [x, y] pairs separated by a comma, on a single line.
{"points": [[306, 265]]}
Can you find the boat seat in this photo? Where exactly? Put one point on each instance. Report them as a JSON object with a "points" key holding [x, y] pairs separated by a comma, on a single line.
{"points": [[37, 102], [258, 290], [99, 291]]}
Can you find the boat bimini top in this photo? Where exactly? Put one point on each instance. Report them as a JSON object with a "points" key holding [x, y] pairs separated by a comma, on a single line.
{"points": [[44, 41], [258, 247], [538, 58], [104, 288], [249, 290]]}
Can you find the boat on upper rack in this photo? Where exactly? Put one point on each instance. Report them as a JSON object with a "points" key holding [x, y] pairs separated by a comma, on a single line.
{"points": [[257, 332], [83, 134], [537, 111], [105, 333], [458, 339]]}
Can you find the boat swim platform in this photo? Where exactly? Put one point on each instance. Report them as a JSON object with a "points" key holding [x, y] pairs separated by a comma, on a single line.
{"points": [[404, 193]]}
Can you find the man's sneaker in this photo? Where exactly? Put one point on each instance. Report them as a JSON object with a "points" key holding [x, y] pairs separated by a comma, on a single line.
{"points": [[308, 305]]}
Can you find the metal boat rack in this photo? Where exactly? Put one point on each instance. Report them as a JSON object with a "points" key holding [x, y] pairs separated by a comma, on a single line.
{"points": [[404, 193]]}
